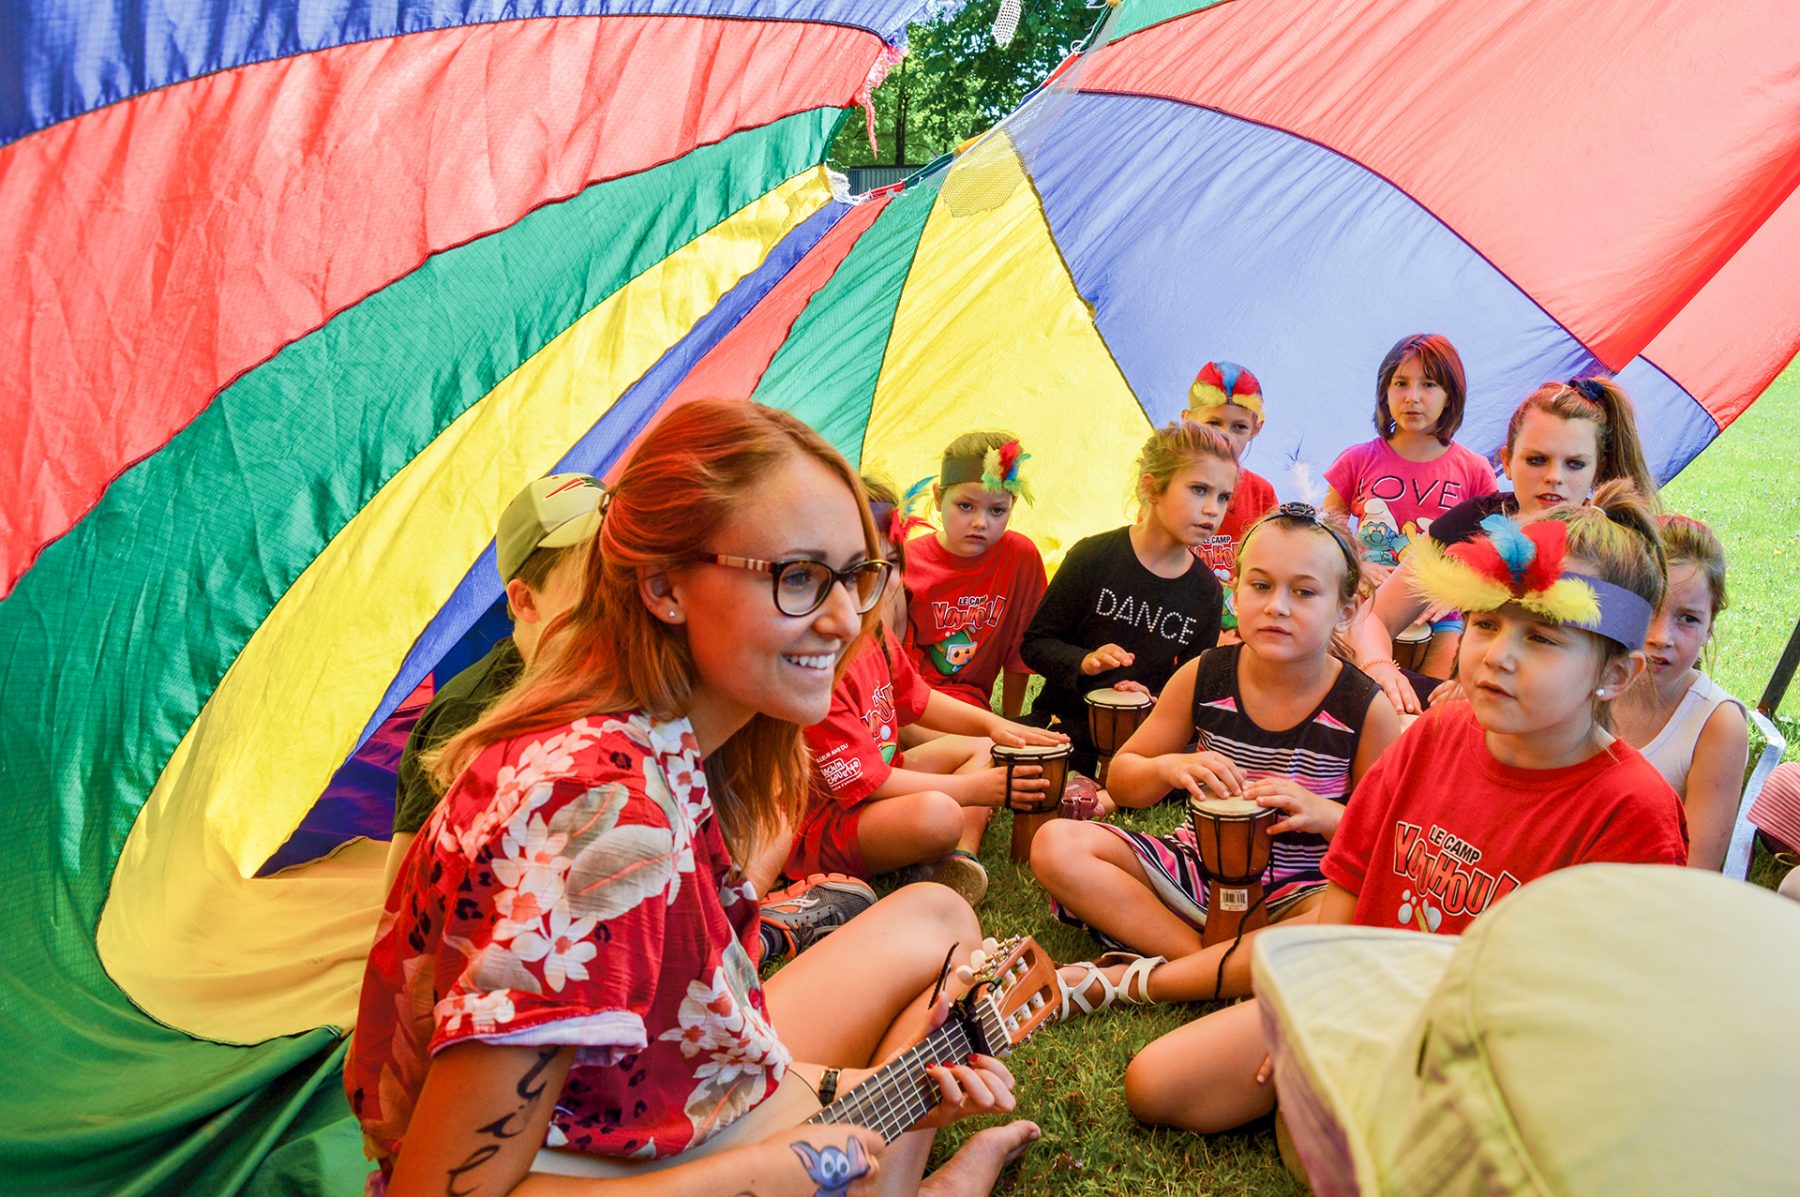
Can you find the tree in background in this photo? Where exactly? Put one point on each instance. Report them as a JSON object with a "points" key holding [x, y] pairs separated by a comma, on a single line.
{"points": [[955, 82]]}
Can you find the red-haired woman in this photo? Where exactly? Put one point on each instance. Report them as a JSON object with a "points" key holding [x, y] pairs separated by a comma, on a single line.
{"points": [[566, 970]]}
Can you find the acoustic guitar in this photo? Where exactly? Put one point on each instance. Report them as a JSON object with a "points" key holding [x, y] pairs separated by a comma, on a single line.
{"points": [[1013, 993]]}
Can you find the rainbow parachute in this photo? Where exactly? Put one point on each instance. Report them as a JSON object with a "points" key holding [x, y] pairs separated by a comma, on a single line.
{"points": [[296, 295]]}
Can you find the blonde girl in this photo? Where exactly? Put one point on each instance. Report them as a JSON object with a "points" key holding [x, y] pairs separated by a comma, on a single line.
{"points": [[1129, 606], [1686, 724], [1277, 718]]}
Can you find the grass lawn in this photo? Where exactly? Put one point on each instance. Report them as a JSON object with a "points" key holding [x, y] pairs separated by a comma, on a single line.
{"points": [[1746, 485]]}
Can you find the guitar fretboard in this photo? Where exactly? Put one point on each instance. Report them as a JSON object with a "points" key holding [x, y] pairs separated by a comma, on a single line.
{"points": [[892, 1101]]}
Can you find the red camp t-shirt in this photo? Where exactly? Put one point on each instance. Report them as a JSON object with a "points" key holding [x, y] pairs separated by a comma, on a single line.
{"points": [[966, 616], [1253, 499], [1438, 830], [857, 744]]}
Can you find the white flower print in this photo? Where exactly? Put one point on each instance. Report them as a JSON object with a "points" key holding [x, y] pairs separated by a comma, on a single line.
{"points": [[486, 1011], [706, 1022], [530, 849], [565, 947], [522, 908]]}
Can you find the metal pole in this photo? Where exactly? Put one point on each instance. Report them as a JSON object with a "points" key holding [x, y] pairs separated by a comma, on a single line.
{"points": [[1784, 673]]}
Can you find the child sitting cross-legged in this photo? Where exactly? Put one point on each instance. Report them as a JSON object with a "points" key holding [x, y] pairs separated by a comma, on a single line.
{"points": [[1279, 719], [1478, 797], [875, 809]]}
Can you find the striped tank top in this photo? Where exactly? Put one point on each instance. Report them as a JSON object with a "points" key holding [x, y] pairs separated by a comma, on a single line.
{"points": [[1317, 752]]}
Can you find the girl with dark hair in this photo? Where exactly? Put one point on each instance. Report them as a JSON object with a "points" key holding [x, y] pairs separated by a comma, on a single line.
{"points": [[1562, 442], [1413, 472]]}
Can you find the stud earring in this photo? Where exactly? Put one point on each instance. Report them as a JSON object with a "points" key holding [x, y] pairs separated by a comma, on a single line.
{"points": [[671, 613], [1600, 692]]}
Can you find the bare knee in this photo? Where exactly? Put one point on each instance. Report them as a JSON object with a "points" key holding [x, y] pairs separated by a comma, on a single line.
{"points": [[940, 822], [1056, 851], [1198, 1082], [1149, 1093], [937, 914]]}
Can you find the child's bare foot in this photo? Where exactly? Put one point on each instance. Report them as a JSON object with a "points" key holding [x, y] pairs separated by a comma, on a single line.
{"points": [[972, 1171]]}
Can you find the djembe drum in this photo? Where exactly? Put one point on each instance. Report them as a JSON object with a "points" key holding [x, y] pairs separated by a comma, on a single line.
{"points": [[1411, 645], [1112, 716], [1032, 810], [1232, 835]]}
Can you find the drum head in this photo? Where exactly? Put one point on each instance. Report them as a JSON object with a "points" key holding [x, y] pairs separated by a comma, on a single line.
{"points": [[1417, 633], [1031, 753], [1109, 697], [1229, 808]]}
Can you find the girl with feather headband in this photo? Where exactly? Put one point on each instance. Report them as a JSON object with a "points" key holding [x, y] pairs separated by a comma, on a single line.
{"points": [[875, 808], [1480, 797]]}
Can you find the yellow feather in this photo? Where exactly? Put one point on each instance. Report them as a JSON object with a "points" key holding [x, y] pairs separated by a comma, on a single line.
{"points": [[1442, 579], [1567, 600]]}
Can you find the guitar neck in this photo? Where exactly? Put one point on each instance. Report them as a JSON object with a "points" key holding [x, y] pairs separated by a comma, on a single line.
{"points": [[892, 1101]]}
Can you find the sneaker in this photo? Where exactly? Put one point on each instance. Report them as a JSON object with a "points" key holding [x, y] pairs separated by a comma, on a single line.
{"points": [[964, 874], [809, 910]]}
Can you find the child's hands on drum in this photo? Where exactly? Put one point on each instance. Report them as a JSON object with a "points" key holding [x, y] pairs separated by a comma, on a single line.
{"points": [[1199, 772], [1107, 656], [1306, 811], [1017, 735], [1130, 687], [987, 787]]}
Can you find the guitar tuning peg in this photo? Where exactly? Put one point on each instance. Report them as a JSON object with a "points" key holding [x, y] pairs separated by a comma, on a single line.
{"points": [[965, 974], [978, 959], [990, 945]]}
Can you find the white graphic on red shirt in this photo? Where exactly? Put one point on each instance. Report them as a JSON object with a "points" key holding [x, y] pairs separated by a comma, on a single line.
{"points": [[881, 721], [1444, 875]]}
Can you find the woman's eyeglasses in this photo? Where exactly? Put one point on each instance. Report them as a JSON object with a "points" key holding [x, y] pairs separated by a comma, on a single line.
{"points": [[802, 585]]}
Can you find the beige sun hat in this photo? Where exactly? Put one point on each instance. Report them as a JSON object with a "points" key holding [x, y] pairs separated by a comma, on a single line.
{"points": [[552, 512], [1607, 1029]]}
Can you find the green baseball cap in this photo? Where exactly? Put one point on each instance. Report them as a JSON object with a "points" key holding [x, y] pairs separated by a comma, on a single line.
{"points": [[1606, 1029], [552, 512]]}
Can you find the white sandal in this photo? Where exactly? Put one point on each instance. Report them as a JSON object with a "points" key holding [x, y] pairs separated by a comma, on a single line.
{"points": [[1137, 977]]}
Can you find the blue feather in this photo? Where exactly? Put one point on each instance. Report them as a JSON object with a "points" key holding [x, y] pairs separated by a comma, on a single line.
{"points": [[915, 492], [1515, 548]]}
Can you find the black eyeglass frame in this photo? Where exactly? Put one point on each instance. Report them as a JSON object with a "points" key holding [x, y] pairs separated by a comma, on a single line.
{"points": [[883, 571]]}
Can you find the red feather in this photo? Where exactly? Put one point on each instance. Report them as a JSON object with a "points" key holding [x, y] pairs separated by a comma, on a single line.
{"points": [[1481, 556], [1209, 374], [1009, 458], [1552, 540]]}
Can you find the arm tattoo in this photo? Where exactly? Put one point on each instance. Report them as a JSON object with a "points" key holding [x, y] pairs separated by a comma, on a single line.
{"points": [[528, 1089], [833, 1169]]}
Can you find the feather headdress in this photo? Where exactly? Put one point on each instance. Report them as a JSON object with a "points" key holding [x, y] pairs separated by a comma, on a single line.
{"points": [[1225, 382], [1000, 470], [1510, 564]]}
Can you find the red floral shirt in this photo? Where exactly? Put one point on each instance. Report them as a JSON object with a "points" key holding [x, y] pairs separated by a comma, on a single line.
{"points": [[574, 888]]}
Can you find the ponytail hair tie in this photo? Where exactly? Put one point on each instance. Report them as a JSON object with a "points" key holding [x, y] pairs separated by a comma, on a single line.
{"points": [[1589, 389]]}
